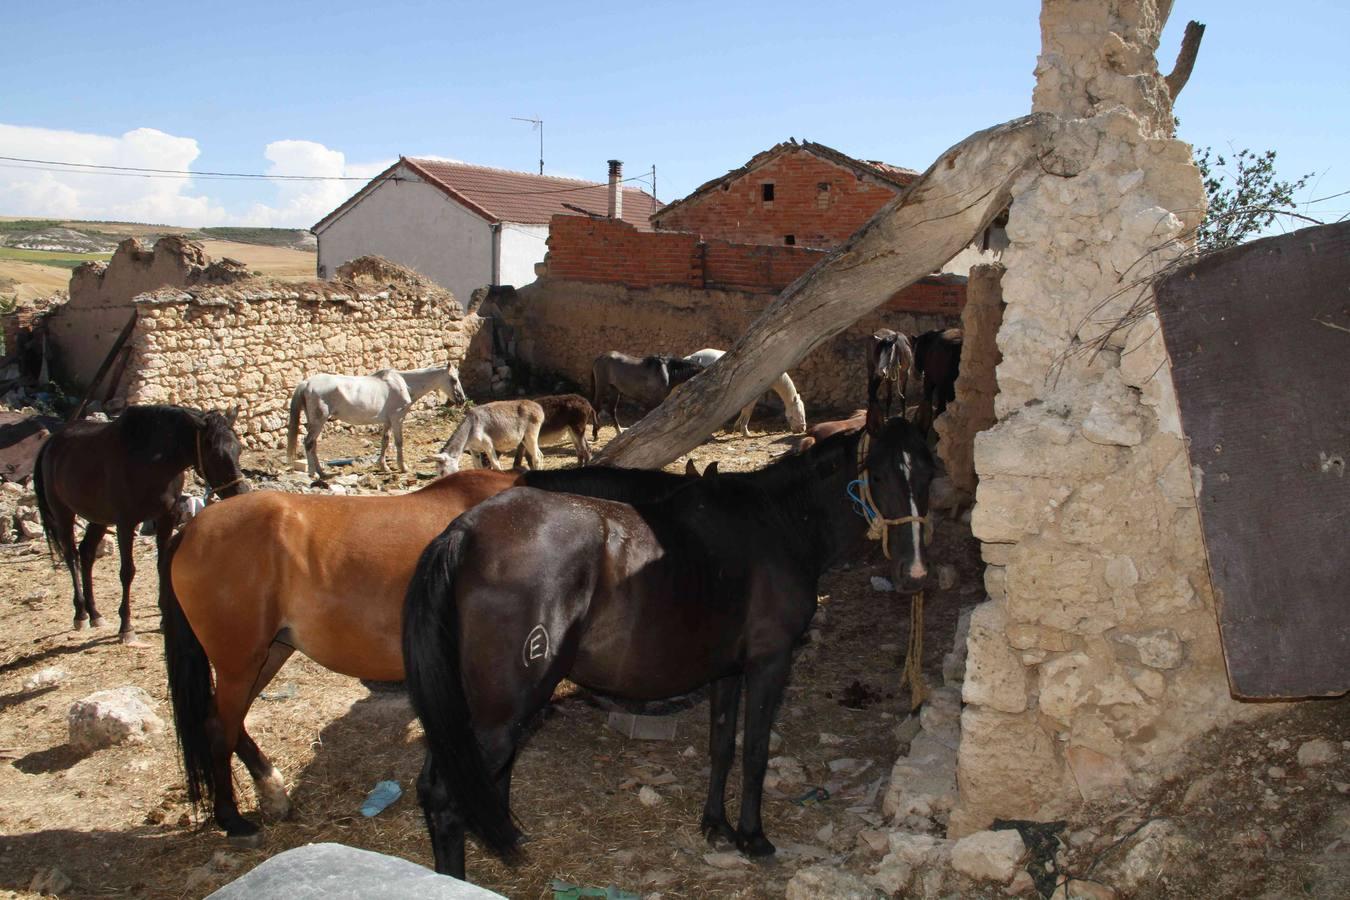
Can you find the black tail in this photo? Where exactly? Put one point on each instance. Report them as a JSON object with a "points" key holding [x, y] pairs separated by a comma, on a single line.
{"points": [[44, 506], [435, 682], [189, 682]]}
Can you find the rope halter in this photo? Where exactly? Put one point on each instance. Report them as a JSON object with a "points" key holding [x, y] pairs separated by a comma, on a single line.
{"points": [[860, 492]]}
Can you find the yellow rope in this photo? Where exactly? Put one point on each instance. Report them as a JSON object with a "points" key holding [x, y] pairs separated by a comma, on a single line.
{"points": [[913, 668]]}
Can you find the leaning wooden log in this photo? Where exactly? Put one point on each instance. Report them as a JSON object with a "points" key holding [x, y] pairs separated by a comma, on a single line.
{"points": [[932, 221]]}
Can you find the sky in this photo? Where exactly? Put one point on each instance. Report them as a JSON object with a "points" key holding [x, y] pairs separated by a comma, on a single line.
{"points": [[694, 88]]}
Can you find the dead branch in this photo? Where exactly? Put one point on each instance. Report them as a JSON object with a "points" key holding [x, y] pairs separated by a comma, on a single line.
{"points": [[914, 235], [1190, 47]]}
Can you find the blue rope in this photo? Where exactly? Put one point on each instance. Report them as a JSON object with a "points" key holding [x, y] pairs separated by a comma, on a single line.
{"points": [[854, 491]]}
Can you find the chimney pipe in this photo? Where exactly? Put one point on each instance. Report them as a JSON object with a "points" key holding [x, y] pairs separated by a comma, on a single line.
{"points": [[615, 189]]}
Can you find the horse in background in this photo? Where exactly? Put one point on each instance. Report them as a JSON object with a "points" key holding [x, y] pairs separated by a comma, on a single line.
{"points": [[120, 474], [793, 408], [937, 357], [890, 362], [383, 398], [247, 583], [566, 415], [644, 380], [503, 425], [822, 430], [714, 583]]}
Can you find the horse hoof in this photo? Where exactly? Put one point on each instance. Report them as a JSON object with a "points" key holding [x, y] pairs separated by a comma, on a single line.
{"points": [[97, 622], [756, 847], [81, 624], [246, 840], [717, 831], [129, 639]]}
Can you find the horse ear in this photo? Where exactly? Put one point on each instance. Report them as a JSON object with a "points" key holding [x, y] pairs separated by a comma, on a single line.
{"points": [[232, 415], [689, 470], [710, 470]]}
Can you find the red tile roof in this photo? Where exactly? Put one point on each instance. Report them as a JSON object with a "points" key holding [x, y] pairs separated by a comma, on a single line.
{"points": [[500, 195]]}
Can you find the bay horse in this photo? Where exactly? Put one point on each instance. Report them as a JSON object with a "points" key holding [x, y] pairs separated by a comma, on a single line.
{"points": [[645, 380], [782, 386], [120, 474], [247, 583], [567, 415], [712, 584], [822, 430], [937, 357], [383, 398]]}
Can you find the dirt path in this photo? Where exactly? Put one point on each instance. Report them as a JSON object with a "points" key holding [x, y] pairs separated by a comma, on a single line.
{"points": [[116, 822]]}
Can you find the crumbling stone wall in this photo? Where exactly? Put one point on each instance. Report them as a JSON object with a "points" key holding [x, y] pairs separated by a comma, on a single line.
{"points": [[976, 385], [250, 343], [1098, 656], [82, 330], [561, 326]]}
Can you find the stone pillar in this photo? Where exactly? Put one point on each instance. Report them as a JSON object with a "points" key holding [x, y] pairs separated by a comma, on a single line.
{"points": [[973, 409], [1097, 656]]}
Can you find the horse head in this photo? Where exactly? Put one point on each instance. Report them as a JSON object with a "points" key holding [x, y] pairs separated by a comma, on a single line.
{"points": [[896, 470], [453, 389], [445, 464], [218, 451]]}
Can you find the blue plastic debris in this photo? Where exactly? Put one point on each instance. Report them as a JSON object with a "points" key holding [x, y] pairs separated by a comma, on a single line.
{"points": [[383, 794]]}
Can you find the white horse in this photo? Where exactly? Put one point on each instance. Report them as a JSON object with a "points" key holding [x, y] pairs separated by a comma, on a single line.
{"points": [[380, 399], [783, 387], [503, 425]]}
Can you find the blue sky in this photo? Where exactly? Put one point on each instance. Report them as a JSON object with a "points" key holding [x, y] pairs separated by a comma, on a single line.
{"points": [[693, 87]]}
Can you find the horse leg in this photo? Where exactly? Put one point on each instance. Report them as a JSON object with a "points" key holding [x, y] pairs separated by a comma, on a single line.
{"points": [[384, 447], [126, 540], [398, 443], [583, 448], [765, 680], [614, 413], [313, 427], [490, 452], [268, 784], [743, 420], [532, 448], [223, 730], [93, 536], [444, 822], [725, 703]]}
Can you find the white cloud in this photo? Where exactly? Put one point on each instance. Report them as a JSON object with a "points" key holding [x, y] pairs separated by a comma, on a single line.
{"points": [[37, 192], [302, 203]]}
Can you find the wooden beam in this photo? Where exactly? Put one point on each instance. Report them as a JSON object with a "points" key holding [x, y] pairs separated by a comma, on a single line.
{"points": [[928, 224], [1190, 47]]}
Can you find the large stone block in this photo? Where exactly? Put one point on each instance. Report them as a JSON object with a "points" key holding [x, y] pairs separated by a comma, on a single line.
{"points": [[1008, 767], [995, 677]]}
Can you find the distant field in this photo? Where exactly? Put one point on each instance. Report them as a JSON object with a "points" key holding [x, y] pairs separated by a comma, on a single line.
{"points": [[50, 258], [275, 262]]}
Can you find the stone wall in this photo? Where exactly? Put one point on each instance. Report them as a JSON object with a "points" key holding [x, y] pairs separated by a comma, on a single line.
{"points": [[976, 385], [561, 326], [250, 343], [82, 330], [1098, 656]]}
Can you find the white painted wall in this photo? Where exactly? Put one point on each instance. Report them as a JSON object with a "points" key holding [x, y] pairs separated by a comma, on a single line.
{"points": [[522, 247], [416, 225]]}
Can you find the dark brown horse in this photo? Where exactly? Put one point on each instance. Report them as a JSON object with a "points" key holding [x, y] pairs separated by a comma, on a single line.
{"points": [[713, 584], [937, 357], [122, 473], [249, 582], [644, 380], [567, 415]]}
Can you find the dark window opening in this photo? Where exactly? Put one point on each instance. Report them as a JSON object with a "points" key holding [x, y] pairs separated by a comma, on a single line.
{"points": [[726, 186], [790, 240], [822, 186], [766, 191]]}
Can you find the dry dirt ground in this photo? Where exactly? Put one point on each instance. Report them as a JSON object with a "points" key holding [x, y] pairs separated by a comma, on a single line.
{"points": [[115, 823]]}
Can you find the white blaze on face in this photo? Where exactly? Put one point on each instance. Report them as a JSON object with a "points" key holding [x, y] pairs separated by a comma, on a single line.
{"points": [[916, 568]]}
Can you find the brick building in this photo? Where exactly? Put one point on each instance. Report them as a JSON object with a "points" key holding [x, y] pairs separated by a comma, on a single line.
{"points": [[794, 194]]}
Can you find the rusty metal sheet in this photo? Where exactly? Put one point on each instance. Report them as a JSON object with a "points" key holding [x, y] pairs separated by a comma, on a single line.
{"points": [[1259, 338]]}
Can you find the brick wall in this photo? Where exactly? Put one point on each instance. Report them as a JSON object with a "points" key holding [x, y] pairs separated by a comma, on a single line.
{"points": [[820, 203]]}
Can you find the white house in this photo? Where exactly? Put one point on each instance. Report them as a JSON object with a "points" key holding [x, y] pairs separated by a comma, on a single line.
{"points": [[466, 226]]}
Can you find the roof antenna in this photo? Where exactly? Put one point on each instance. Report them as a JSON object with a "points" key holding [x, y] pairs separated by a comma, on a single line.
{"points": [[535, 123]]}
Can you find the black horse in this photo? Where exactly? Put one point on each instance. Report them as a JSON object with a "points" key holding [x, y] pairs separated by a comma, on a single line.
{"points": [[122, 473], [937, 357], [715, 583]]}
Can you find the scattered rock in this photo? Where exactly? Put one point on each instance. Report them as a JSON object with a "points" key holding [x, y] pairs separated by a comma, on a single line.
{"points": [[954, 662], [874, 840], [830, 740], [50, 881], [946, 575], [105, 718], [1319, 752], [726, 859], [883, 585], [1078, 889], [817, 882], [332, 870], [1021, 885], [648, 796], [48, 677], [989, 855], [1147, 855], [825, 833]]}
